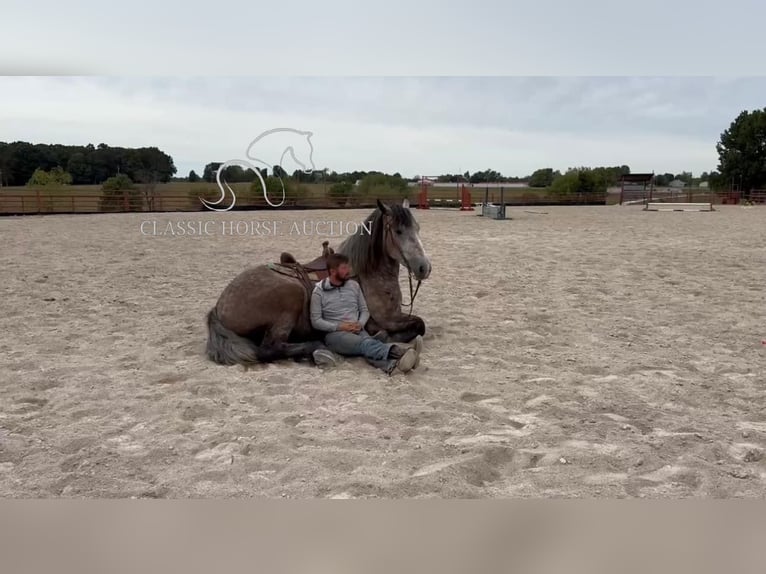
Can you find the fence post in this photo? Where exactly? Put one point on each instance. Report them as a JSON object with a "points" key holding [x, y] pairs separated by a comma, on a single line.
{"points": [[39, 205], [22, 205], [73, 210], [125, 200]]}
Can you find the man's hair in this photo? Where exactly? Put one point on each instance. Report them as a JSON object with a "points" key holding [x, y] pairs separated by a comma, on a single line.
{"points": [[335, 260]]}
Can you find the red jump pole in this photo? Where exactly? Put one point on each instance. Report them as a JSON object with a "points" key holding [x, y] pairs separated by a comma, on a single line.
{"points": [[465, 204], [423, 196]]}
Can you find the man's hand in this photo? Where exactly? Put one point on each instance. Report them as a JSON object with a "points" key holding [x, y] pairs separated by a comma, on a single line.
{"points": [[351, 327]]}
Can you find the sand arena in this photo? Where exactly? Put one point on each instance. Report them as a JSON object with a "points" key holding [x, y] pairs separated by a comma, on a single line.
{"points": [[584, 352]]}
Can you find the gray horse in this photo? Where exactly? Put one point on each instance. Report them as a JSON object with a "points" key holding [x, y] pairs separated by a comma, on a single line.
{"points": [[263, 315]]}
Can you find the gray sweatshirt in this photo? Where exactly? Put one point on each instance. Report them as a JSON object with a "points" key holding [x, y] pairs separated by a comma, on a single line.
{"points": [[331, 305]]}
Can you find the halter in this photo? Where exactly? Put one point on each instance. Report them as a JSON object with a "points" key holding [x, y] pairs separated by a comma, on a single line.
{"points": [[407, 265]]}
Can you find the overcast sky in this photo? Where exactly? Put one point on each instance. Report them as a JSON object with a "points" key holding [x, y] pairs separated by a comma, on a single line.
{"points": [[413, 125]]}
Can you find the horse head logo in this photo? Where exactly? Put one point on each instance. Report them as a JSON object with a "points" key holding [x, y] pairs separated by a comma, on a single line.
{"points": [[304, 158]]}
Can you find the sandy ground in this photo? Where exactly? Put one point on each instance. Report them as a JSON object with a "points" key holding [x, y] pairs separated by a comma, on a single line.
{"points": [[586, 352]]}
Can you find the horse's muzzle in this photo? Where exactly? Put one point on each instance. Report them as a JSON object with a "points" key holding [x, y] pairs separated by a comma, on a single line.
{"points": [[421, 269]]}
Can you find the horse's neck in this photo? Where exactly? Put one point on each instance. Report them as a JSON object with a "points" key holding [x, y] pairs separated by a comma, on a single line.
{"points": [[380, 271], [384, 267]]}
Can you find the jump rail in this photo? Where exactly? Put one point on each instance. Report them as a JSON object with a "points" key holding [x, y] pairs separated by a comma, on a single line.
{"points": [[679, 207]]}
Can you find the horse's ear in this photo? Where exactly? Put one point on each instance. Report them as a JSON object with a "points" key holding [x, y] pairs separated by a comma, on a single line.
{"points": [[383, 208]]}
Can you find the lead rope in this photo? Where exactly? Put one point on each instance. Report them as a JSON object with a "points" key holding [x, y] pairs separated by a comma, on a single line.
{"points": [[412, 295], [409, 274]]}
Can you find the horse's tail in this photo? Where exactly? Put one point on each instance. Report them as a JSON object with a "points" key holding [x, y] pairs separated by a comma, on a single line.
{"points": [[225, 347]]}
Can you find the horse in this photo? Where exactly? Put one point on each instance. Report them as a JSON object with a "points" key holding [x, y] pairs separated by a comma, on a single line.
{"points": [[263, 314]]}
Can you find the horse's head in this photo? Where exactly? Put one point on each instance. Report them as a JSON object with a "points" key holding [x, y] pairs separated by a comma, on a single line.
{"points": [[401, 239]]}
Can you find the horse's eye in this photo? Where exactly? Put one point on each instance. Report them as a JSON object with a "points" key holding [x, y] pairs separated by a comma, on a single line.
{"points": [[398, 231]]}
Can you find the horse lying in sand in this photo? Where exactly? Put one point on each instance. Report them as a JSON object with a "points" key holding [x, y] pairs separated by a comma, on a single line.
{"points": [[263, 315]]}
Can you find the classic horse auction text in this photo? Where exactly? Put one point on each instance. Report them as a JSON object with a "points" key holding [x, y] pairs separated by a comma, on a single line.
{"points": [[253, 227]]}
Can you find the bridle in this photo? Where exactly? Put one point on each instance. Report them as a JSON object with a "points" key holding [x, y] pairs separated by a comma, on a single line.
{"points": [[406, 264]]}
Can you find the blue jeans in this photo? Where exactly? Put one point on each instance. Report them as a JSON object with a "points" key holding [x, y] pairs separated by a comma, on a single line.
{"points": [[361, 344]]}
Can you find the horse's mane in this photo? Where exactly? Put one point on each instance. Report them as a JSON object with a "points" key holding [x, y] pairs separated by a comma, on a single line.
{"points": [[366, 251]]}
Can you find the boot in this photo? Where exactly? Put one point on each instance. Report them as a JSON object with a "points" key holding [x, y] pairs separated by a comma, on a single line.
{"points": [[404, 363], [417, 345], [396, 351]]}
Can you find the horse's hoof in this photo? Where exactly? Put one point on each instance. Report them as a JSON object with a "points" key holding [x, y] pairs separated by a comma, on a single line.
{"points": [[418, 325]]}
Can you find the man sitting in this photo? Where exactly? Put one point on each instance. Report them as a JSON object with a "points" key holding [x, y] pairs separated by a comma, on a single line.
{"points": [[338, 309]]}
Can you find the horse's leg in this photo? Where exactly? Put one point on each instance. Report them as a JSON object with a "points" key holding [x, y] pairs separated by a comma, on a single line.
{"points": [[406, 335], [384, 300], [400, 330], [275, 346]]}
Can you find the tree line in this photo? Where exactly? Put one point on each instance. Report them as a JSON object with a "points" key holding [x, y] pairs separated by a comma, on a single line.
{"points": [[85, 165], [741, 151]]}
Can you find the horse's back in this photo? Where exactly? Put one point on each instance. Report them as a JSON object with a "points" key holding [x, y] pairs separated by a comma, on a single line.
{"points": [[258, 297]]}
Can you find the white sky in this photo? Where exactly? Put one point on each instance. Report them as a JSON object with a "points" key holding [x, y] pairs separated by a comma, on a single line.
{"points": [[484, 84], [418, 125]]}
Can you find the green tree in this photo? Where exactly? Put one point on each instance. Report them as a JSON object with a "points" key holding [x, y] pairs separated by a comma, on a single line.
{"points": [[87, 164], [80, 168], [543, 177], [53, 178], [209, 173], [486, 176], [742, 151], [716, 181], [610, 176], [274, 187], [381, 186], [579, 182], [193, 177], [234, 174], [278, 171], [119, 193], [39, 178], [340, 192]]}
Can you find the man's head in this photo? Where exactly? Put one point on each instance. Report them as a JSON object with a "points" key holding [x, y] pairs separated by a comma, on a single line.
{"points": [[338, 267]]}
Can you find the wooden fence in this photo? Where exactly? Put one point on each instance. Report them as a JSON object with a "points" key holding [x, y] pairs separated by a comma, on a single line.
{"points": [[737, 197], [40, 202], [691, 195]]}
